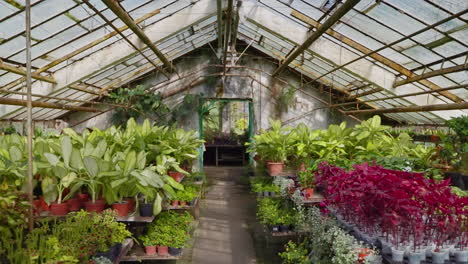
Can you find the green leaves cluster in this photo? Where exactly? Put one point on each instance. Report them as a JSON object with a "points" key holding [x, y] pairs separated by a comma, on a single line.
{"points": [[339, 145], [275, 211], [169, 229]]}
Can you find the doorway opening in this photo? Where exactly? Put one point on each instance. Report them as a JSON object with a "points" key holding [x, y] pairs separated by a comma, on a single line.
{"points": [[226, 125]]}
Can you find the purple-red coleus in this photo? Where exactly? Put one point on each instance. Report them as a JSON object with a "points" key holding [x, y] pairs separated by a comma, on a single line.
{"points": [[403, 204]]}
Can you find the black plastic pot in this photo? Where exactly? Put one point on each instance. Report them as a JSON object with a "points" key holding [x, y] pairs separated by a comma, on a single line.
{"points": [[457, 179], [175, 251], [266, 193], [146, 209], [284, 228], [275, 228], [4, 260], [271, 194]]}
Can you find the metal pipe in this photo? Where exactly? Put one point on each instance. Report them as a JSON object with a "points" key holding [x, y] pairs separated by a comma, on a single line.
{"points": [[29, 123], [415, 108], [430, 74], [122, 14], [339, 13], [393, 43]]}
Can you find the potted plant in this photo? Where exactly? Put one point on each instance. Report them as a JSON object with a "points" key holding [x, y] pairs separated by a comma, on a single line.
{"points": [[307, 182], [148, 242], [179, 238], [60, 176]]}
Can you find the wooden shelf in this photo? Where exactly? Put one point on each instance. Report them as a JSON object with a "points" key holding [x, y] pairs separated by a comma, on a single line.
{"points": [[282, 234], [135, 218], [137, 253], [316, 198]]}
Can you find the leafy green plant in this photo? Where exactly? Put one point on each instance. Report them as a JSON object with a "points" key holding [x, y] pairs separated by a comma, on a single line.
{"points": [[296, 253], [12, 161], [306, 179], [272, 145], [273, 211]]}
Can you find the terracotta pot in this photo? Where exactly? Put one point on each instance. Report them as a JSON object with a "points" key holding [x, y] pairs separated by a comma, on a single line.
{"points": [[44, 205], [363, 253], [97, 207], [275, 168], [150, 250], [83, 197], [121, 208], [302, 167], [177, 176], [59, 209], [74, 204], [131, 203], [163, 251], [308, 193], [37, 206], [183, 203], [175, 203]]}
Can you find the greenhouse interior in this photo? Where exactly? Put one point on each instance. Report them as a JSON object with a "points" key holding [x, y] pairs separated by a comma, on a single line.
{"points": [[234, 131]]}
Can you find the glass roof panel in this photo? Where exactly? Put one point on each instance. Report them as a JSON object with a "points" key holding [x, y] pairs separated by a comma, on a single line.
{"points": [[421, 54]]}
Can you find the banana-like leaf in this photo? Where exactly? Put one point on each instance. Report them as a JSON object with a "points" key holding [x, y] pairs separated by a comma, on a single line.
{"points": [[76, 161], [52, 159], [130, 162], [91, 166], [157, 206], [68, 179], [66, 150], [15, 154], [173, 183]]}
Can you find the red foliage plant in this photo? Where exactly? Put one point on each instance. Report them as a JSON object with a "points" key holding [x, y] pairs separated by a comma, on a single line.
{"points": [[403, 205]]}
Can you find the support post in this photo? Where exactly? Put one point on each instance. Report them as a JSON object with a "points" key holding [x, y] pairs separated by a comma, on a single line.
{"points": [[29, 114], [219, 4], [339, 13]]}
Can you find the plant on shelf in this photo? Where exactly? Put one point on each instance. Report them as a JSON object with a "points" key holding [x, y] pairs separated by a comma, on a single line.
{"points": [[276, 213], [273, 146], [307, 182], [454, 149], [296, 253], [12, 161]]}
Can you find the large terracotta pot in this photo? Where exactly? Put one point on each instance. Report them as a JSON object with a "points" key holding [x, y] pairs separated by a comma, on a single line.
{"points": [[121, 208], [275, 168], [150, 250], [74, 204], [163, 251], [59, 209], [97, 207]]}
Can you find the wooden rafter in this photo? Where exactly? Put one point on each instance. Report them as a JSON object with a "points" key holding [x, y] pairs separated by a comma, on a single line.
{"points": [[20, 71], [82, 49], [385, 61], [12, 101], [415, 108], [421, 77], [115, 7], [339, 13]]}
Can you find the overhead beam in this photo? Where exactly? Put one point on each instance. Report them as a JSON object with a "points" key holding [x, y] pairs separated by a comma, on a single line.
{"points": [[108, 22], [356, 96], [34, 75], [114, 6], [415, 108], [82, 49], [219, 5], [227, 34], [376, 56], [404, 95], [440, 22], [11, 101], [339, 13], [418, 78]]}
